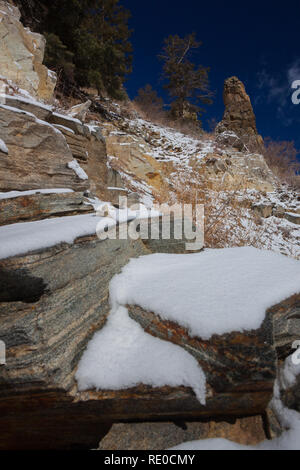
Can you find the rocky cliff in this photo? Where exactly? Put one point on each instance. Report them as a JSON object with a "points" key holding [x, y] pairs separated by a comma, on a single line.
{"points": [[22, 54], [56, 166]]}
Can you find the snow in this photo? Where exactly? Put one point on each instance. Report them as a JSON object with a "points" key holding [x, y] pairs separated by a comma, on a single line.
{"points": [[122, 355], [290, 371], [74, 165], [67, 117], [20, 238], [3, 147], [13, 194], [27, 100], [212, 292]]}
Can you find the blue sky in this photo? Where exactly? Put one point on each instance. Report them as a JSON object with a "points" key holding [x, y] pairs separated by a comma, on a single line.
{"points": [[259, 42]]}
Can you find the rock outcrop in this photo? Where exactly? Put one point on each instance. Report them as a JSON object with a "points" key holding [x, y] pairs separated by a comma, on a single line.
{"points": [[22, 54], [158, 436], [38, 154], [238, 126], [234, 170]]}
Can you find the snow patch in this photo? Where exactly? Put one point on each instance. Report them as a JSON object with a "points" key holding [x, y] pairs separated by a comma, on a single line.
{"points": [[122, 355], [3, 147], [74, 165], [212, 292]]}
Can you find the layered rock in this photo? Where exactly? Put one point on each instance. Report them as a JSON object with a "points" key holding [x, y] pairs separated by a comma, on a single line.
{"points": [[22, 54], [88, 146], [238, 126], [38, 154], [51, 303], [131, 155], [42, 206]]}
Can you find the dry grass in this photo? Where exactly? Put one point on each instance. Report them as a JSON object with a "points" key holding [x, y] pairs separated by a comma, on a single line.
{"points": [[224, 213], [163, 118], [282, 160]]}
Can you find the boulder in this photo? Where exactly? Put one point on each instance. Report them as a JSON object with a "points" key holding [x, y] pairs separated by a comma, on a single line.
{"points": [[22, 54]]}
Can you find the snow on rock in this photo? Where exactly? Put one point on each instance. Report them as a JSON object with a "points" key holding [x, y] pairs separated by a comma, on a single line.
{"points": [[20, 238], [3, 147], [122, 356], [13, 194], [74, 165], [212, 292], [289, 373]]}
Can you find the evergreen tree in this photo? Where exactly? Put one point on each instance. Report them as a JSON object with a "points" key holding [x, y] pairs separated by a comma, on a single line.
{"points": [[92, 40], [186, 83]]}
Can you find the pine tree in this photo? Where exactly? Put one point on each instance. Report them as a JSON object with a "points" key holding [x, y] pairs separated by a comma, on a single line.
{"points": [[186, 83], [93, 41]]}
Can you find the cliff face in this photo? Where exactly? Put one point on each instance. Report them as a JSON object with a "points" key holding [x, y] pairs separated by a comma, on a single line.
{"points": [[22, 54], [55, 167]]}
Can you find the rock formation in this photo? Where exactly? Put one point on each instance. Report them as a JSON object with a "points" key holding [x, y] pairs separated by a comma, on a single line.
{"points": [[238, 126], [53, 299], [22, 54]]}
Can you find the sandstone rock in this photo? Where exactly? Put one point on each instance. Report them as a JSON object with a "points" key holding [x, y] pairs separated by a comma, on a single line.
{"points": [[70, 123], [239, 118], [237, 170], [38, 109], [80, 110], [161, 436], [90, 150], [131, 155], [41, 206], [22, 54], [38, 154]]}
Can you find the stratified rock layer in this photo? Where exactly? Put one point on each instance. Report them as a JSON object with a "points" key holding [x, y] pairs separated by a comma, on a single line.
{"points": [[38, 154], [51, 303]]}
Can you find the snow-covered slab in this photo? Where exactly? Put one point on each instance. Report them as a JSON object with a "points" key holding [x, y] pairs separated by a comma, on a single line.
{"points": [[13, 194], [21, 238], [212, 292]]}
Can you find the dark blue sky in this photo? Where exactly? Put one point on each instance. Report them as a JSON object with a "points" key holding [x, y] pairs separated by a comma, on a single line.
{"points": [[258, 41]]}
